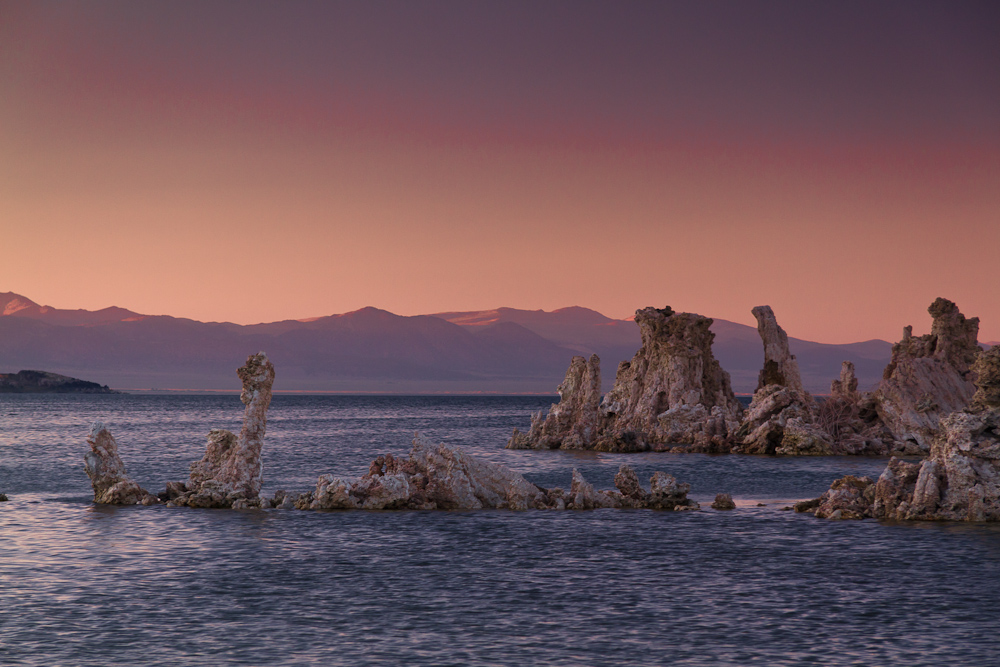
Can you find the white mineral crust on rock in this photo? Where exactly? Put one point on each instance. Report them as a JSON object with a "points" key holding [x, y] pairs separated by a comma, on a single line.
{"points": [[111, 483]]}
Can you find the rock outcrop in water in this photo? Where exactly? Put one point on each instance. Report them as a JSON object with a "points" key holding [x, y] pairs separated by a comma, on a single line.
{"points": [[848, 498], [723, 501], [111, 483], [672, 393], [444, 478], [782, 417], [928, 376], [230, 472], [573, 422], [959, 481], [674, 396]]}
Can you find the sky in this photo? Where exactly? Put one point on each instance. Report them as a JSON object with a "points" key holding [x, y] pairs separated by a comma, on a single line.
{"points": [[258, 161]]}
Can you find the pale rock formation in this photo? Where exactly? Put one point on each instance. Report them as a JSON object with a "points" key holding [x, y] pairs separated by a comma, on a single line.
{"points": [[665, 492], [332, 493], [928, 376], [111, 483], [627, 483], [960, 480], [723, 501], [583, 496], [672, 392], [230, 473], [848, 498], [433, 477], [846, 386], [571, 423], [782, 416], [780, 366], [444, 478]]}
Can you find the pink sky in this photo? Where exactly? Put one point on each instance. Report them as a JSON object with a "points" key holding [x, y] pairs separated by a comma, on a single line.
{"points": [[260, 169]]}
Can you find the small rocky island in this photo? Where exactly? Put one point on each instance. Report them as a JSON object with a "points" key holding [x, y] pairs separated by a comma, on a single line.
{"points": [[40, 382]]}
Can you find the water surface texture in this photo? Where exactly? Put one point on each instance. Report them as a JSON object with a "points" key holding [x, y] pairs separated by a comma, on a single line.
{"points": [[82, 584]]}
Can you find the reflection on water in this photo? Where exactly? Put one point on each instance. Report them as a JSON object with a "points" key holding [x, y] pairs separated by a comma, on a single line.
{"points": [[88, 585]]}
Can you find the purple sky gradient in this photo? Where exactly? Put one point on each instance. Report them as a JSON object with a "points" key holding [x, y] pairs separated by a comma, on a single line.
{"points": [[840, 161]]}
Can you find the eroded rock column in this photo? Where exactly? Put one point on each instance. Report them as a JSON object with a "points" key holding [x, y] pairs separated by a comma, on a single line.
{"points": [[782, 417], [572, 422], [673, 392], [929, 376], [230, 472], [110, 481]]}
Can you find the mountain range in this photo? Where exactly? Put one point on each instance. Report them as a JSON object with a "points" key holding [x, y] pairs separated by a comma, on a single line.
{"points": [[505, 350]]}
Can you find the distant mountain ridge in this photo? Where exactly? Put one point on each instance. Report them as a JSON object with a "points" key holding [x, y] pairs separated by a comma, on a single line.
{"points": [[372, 350]]}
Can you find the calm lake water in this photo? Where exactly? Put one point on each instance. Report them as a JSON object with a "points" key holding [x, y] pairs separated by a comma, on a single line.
{"points": [[82, 584]]}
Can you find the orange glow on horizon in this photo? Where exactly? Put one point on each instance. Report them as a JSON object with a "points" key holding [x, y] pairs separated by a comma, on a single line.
{"points": [[166, 189]]}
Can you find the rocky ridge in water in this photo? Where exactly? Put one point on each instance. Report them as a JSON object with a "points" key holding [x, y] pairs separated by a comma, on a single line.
{"points": [[959, 481], [437, 477], [674, 396], [229, 475]]}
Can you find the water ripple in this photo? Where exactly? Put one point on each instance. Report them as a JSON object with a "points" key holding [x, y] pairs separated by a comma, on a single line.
{"points": [[87, 585]]}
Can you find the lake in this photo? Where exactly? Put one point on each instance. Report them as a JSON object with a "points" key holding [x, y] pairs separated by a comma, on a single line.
{"points": [[82, 584]]}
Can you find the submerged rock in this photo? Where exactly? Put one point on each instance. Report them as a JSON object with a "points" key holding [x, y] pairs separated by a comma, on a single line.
{"points": [[960, 480], [723, 501], [572, 423], [928, 376], [111, 483], [848, 498], [444, 478], [230, 473]]}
